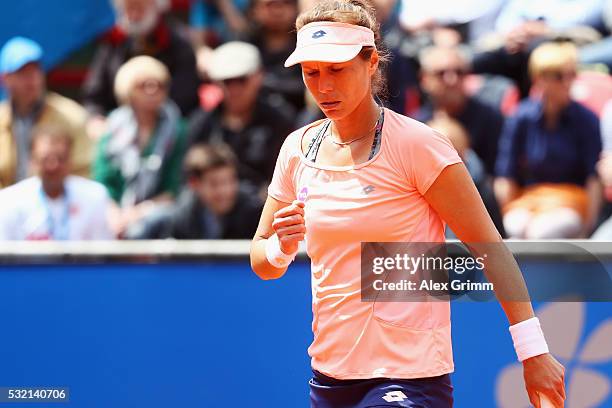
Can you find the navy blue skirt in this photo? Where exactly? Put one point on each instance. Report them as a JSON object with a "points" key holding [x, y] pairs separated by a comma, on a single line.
{"points": [[431, 392]]}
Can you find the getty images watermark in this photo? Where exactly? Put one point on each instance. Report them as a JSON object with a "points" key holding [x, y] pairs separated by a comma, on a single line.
{"points": [[399, 271], [412, 264]]}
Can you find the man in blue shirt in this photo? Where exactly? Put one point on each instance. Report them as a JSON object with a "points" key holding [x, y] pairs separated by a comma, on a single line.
{"points": [[547, 183]]}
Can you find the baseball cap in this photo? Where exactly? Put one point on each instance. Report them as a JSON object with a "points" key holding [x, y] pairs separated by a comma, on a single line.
{"points": [[329, 41], [17, 52], [233, 59]]}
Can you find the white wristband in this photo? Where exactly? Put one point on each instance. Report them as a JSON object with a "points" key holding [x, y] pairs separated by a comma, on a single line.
{"points": [[275, 255], [528, 339]]}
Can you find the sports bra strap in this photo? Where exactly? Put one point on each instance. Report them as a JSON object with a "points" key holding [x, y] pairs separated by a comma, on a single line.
{"points": [[315, 143]]}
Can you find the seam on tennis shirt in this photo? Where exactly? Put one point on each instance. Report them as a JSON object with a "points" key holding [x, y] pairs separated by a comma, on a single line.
{"points": [[447, 369], [437, 172], [274, 196], [385, 322]]}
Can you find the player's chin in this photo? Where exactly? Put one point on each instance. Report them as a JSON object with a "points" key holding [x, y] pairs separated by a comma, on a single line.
{"points": [[332, 109]]}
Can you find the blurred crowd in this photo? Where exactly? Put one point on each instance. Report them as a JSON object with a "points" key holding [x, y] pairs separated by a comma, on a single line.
{"points": [[179, 123]]}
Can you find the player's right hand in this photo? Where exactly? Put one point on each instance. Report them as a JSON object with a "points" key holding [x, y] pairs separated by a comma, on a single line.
{"points": [[544, 376], [289, 226]]}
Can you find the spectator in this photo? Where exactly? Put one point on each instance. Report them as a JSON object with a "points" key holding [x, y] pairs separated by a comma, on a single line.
{"points": [[600, 52], [214, 22], [141, 30], [253, 124], [139, 159], [470, 17], [273, 33], [547, 185], [551, 14], [213, 206], [459, 137], [523, 24], [604, 168], [401, 93], [30, 105], [606, 127], [443, 70], [53, 205]]}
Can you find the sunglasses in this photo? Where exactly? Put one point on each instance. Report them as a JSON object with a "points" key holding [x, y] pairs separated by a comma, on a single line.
{"points": [[276, 3], [195, 173], [241, 80], [151, 86], [560, 76], [443, 73]]}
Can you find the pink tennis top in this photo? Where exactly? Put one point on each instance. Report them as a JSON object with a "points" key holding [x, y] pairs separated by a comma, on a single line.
{"points": [[380, 200]]}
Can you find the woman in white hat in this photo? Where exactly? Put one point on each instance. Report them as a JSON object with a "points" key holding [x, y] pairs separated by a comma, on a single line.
{"points": [[368, 174]]}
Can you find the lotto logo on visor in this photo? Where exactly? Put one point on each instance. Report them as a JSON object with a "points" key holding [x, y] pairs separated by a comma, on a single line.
{"points": [[330, 42], [319, 34]]}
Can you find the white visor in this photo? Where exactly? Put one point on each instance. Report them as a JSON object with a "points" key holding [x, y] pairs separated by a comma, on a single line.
{"points": [[329, 41]]}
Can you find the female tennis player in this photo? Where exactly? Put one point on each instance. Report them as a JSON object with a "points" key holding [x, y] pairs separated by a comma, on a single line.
{"points": [[368, 174]]}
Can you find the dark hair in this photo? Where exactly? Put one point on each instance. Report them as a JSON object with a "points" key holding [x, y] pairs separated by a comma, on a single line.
{"points": [[252, 3], [356, 12], [202, 158]]}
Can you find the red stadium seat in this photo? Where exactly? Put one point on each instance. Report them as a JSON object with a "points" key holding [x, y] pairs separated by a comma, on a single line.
{"points": [[495, 90], [211, 96], [593, 89], [179, 5]]}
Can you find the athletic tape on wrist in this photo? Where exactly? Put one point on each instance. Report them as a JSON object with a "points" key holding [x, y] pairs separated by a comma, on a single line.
{"points": [[275, 255], [528, 339]]}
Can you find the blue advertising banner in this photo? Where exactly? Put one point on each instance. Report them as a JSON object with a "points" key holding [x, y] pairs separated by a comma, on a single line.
{"points": [[59, 26], [212, 334]]}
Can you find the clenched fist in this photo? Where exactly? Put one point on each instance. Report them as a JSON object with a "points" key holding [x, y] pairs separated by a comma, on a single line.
{"points": [[289, 226]]}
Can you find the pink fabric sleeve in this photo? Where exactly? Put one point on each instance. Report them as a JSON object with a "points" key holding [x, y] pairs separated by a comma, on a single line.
{"points": [[430, 153], [282, 187]]}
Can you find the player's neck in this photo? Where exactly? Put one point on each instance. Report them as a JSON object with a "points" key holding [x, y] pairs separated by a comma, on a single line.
{"points": [[360, 120]]}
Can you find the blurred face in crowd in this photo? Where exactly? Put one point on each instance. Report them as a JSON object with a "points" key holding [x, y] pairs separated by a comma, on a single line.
{"points": [[148, 95], [25, 86], [241, 93], [555, 84], [50, 160], [443, 74], [455, 132], [217, 189], [139, 17], [275, 15], [384, 8]]}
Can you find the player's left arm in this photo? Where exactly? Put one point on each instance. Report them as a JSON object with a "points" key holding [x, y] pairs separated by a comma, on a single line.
{"points": [[455, 198]]}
